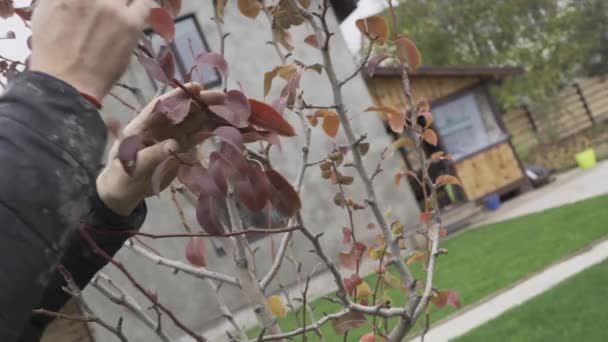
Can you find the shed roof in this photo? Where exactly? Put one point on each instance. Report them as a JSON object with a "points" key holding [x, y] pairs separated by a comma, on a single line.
{"points": [[495, 72]]}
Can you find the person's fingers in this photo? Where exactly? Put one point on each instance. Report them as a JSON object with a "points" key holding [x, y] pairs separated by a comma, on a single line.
{"points": [[139, 10], [147, 117], [150, 157], [212, 98]]}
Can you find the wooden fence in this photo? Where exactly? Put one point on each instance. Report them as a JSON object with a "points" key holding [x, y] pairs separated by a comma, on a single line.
{"points": [[576, 108]]}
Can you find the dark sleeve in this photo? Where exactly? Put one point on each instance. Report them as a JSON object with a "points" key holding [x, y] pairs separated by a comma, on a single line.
{"points": [[81, 263], [51, 143]]}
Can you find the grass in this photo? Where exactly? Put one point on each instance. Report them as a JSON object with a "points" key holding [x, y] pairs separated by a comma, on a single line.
{"points": [[489, 258], [574, 310]]}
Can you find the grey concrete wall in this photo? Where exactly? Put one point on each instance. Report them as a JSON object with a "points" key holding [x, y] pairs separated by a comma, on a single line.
{"points": [[249, 57]]}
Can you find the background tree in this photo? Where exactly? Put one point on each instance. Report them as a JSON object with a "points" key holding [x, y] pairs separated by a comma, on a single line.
{"points": [[553, 40]]}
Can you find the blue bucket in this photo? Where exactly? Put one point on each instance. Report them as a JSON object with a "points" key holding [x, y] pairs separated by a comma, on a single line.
{"points": [[492, 202]]}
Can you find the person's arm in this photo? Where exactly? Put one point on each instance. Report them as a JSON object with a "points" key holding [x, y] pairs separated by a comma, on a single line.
{"points": [[51, 143], [81, 263], [52, 140]]}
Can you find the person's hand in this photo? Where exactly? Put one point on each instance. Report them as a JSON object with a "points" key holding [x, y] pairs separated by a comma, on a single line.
{"points": [[86, 43], [122, 192]]}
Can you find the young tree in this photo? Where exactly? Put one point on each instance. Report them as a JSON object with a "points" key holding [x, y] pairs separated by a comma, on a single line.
{"points": [[236, 187]]}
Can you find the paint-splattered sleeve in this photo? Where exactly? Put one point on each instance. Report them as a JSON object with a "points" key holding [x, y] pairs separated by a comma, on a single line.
{"points": [[51, 144]]}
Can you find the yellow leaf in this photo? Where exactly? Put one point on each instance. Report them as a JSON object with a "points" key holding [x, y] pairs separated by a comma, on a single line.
{"points": [[276, 306], [221, 5], [376, 253], [446, 179], [419, 256], [397, 228], [287, 71], [268, 77], [316, 67], [250, 8], [363, 291], [375, 27], [402, 142], [389, 212]]}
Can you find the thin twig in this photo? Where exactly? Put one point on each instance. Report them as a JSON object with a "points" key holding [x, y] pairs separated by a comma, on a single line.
{"points": [[152, 298], [121, 298], [198, 272]]}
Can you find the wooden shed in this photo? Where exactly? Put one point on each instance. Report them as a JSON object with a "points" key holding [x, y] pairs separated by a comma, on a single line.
{"points": [[468, 124]]}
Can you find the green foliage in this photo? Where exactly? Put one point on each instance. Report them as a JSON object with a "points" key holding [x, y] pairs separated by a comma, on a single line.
{"points": [[553, 40], [568, 312], [517, 247]]}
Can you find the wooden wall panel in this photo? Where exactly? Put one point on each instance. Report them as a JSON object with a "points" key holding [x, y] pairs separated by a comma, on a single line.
{"points": [[489, 171]]}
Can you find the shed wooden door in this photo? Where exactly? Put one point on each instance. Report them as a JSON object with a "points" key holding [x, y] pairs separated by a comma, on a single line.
{"points": [[495, 169]]}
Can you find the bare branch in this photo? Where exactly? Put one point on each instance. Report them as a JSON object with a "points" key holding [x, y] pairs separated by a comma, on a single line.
{"points": [[97, 250], [86, 319], [361, 66], [198, 272], [127, 302]]}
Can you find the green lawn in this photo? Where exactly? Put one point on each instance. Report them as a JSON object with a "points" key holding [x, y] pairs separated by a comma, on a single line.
{"points": [[574, 310], [489, 258]]}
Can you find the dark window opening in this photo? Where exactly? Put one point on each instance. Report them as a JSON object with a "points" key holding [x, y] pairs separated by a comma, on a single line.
{"points": [[189, 41]]}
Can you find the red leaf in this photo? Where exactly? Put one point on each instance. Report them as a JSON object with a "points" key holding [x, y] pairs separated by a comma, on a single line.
{"points": [[264, 116], [154, 69], [255, 135], [408, 52], [443, 232], [161, 172], [284, 197], [312, 40], [6, 9], [214, 60], [396, 122], [347, 235], [351, 320], [231, 136], [375, 27], [430, 136], [24, 12], [173, 6], [371, 226], [198, 180], [446, 297], [196, 251], [127, 152], [253, 188], [374, 62], [237, 102], [234, 157], [175, 108], [161, 22], [226, 113], [426, 217], [352, 282], [249, 8], [166, 60], [351, 259], [207, 214], [219, 168]]}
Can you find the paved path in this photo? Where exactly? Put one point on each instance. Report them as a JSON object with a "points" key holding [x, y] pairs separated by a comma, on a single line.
{"points": [[517, 295], [569, 187]]}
